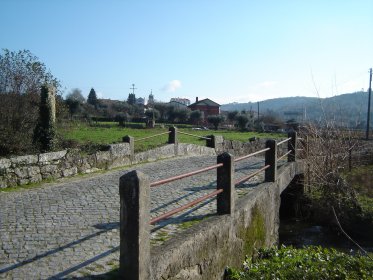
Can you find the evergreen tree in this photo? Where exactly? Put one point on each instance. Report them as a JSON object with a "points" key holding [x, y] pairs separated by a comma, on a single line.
{"points": [[92, 98], [131, 99]]}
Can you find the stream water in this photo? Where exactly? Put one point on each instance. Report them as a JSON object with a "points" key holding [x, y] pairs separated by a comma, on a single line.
{"points": [[299, 233]]}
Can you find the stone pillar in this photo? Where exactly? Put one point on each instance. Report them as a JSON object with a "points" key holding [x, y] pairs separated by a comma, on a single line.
{"points": [[271, 159], [173, 139], [45, 131], [130, 140], [292, 146], [211, 143], [134, 260], [225, 180]]}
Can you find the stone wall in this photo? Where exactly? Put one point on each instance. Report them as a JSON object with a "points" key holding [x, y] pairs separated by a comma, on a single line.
{"points": [[28, 169], [238, 148], [204, 251], [35, 168]]}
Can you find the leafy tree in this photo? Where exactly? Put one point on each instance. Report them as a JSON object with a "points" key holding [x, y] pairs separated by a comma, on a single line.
{"points": [[177, 115], [121, 118], [76, 95], [21, 73], [149, 114], [162, 109], [232, 116], [215, 120], [195, 116], [242, 121], [92, 98], [74, 101], [131, 99], [21, 77]]}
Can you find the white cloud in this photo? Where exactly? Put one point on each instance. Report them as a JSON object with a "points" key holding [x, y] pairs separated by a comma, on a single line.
{"points": [[172, 86], [266, 84]]}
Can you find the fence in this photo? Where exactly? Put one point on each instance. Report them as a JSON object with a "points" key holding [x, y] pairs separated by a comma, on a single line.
{"points": [[134, 191], [172, 139]]}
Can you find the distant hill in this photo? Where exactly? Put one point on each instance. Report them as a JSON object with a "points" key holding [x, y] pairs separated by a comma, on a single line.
{"points": [[349, 109]]}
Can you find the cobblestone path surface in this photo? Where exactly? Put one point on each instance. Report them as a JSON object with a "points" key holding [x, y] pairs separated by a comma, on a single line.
{"points": [[70, 230]]}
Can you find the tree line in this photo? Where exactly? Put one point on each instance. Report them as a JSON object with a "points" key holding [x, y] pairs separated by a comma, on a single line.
{"points": [[23, 75]]}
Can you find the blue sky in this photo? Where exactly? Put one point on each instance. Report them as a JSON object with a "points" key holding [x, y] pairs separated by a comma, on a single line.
{"points": [[228, 51]]}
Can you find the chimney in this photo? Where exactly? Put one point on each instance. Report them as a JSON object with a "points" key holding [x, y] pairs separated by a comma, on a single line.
{"points": [[196, 99]]}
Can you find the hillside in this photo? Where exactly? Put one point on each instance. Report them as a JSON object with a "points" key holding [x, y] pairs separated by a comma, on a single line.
{"points": [[350, 109]]}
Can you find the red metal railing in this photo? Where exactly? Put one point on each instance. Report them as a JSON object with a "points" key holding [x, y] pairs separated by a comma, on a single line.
{"points": [[208, 168], [250, 155], [190, 204], [239, 181], [155, 135], [284, 155], [283, 141], [186, 206], [171, 179], [194, 135]]}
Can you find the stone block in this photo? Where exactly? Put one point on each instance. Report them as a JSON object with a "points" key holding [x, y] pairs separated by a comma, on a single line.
{"points": [[3, 183], [219, 139], [120, 162], [70, 171], [21, 172], [35, 178], [24, 160], [120, 150], [103, 159], [103, 156], [50, 171], [53, 156], [5, 163], [33, 171], [23, 181]]}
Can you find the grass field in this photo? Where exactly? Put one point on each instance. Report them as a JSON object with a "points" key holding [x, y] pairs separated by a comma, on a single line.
{"points": [[108, 133]]}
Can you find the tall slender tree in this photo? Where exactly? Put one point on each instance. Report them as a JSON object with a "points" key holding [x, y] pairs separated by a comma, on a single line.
{"points": [[92, 98]]}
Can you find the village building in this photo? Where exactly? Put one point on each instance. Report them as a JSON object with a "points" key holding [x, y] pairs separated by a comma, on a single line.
{"points": [[206, 106]]}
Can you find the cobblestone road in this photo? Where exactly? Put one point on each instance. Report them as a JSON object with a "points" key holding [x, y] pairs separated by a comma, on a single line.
{"points": [[70, 230]]}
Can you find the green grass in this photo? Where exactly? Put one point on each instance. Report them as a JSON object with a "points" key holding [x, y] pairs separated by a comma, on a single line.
{"points": [[361, 179], [307, 263], [108, 133]]}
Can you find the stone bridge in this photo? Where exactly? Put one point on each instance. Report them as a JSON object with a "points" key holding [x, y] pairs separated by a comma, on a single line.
{"points": [[70, 229]]}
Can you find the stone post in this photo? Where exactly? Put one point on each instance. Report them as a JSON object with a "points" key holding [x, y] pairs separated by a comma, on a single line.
{"points": [[211, 143], [130, 140], [45, 131], [134, 260], [271, 159], [292, 146], [225, 180], [173, 139]]}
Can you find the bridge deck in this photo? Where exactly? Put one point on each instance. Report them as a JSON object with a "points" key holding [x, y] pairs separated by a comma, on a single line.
{"points": [[71, 229]]}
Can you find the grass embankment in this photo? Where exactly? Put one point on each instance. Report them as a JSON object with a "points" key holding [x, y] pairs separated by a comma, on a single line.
{"points": [[361, 178], [108, 133], [307, 263], [318, 262]]}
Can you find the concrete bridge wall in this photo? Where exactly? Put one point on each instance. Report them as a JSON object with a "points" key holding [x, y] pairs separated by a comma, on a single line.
{"points": [[204, 250]]}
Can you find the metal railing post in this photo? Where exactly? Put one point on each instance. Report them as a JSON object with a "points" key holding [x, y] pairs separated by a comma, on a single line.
{"points": [[173, 138], [134, 260], [292, 146], [225, 180], [271, 159], [130, 140]]}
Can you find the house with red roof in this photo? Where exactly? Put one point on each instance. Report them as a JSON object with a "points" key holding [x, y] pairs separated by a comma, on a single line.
{"points": [[207, 106]]}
